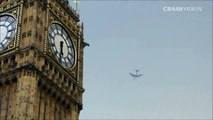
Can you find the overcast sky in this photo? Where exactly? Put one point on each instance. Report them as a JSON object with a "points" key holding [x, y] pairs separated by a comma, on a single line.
{"points": [[172, 49]]}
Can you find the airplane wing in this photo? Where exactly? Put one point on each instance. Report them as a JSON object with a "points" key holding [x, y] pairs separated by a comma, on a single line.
{"points": [[139, 75], [132, 75]]}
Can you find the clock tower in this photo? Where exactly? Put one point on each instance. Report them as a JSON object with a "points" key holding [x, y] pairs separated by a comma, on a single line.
{"points": [[41, 60]]}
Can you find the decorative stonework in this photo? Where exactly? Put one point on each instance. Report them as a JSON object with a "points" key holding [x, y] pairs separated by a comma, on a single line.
{"points": [[5, 5], [69, 19]]}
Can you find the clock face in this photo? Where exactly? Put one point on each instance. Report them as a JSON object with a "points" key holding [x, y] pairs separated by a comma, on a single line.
{"points": [[7, 30], [61, 45]]}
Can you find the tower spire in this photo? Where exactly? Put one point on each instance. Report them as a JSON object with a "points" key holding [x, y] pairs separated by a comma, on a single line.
{"points": [[76, 5]]}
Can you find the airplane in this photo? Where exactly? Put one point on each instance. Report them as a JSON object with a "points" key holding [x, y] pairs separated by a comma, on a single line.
{"points": [[136, 75]]}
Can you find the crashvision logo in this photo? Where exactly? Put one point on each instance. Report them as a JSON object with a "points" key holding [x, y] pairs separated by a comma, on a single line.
{"points": [[182, 9]]}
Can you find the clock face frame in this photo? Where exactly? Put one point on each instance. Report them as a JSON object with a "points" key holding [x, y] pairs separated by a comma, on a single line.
{"points": [[61, 45], [8, 26]]}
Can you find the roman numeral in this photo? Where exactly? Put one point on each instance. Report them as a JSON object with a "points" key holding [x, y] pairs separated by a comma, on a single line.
{"points": [[55, 53], [8, 37], [71, 55], [11, 30], [69, 46], [3, 46], [52, 44], [11, 23]]}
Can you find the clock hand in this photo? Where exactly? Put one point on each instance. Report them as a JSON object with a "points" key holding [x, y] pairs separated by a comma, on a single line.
{"points": [[61, 49], [0, 33]]}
